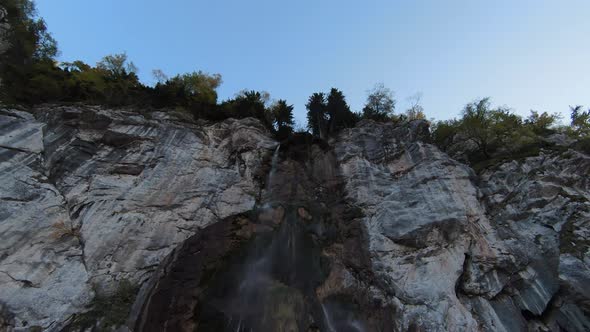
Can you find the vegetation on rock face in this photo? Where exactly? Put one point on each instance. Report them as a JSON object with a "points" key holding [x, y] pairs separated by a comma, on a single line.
{"points": [[30, 74], [62, 229], [107, 311], [327, 114], [283, 118], [31, 50], [415, 111], [484, 135], [380, 104], [316, 114], [192, 91], [580, 124]]}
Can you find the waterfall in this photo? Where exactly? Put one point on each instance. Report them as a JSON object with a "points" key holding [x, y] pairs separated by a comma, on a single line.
{"points": [[273, 168], [328, 319], [274, 259], [339, 318]]}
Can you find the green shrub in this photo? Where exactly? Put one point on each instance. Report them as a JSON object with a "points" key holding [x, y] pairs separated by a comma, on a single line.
{"points": [[497, 134], [583, 145], [107, 311]]}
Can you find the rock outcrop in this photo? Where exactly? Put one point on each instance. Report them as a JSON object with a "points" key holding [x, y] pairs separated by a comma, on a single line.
{"points": [[455, 251], [4, 30], [375, 230], [90, 197]]}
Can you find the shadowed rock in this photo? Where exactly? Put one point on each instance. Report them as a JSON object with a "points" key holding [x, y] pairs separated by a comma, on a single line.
{"points": [[375, 230]]}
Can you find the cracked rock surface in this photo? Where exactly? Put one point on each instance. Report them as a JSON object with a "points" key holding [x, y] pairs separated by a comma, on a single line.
{"points": [[416, 240], [92, 196], [4, 30], [504, 251]]}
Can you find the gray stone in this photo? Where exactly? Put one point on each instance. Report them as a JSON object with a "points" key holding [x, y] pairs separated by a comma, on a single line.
{"points": [[91, 196]]}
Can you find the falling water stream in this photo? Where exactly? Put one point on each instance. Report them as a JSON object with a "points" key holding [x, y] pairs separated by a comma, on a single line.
{"points": [[274, 285], [268, 280], [276, 269], [273, 169]]}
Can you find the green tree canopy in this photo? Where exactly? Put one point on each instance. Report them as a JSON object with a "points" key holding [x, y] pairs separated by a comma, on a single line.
{"points": [[196, 91], [415, 111], [247, 104], [580, 120], [380, 103], [199, 86], [27, 36], [339, 114], [541, 123], [326, 115], [117, 65], [27, 70], [283, 116], [494, 132], [316, 114]]}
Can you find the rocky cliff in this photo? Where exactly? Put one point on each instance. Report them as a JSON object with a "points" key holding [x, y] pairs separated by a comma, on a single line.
{"points": [[216, 226]]}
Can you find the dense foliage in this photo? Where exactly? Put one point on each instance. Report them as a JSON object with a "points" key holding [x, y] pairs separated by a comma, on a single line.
{"points": [[282, 113], [30, 74], [328, 114], [380, 104], [483, 135]]}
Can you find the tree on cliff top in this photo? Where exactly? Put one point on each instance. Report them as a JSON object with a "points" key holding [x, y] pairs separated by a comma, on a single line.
{"points": [[339, 114], [326, 115], [380, 103], [196, 91], [247, 104], [282, 114], [316, 114], [31, 50], [117, 64], [580, 121], [28, 37], [415, 111]]}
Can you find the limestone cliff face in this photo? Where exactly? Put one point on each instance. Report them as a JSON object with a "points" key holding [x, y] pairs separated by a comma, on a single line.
{"points": [[506, 251], [4, 29], [91, 196], [376, 230], [4, 32]]}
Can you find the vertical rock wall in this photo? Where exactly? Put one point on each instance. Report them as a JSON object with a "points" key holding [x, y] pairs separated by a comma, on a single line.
{"points": [[91, 197], [375, 230]]}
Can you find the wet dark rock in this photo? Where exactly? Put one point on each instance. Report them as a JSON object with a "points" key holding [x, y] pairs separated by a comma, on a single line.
{"points": [[124, 208], [292, 277], [180, 283], [118, 140], [223, 229], [129, 169]]}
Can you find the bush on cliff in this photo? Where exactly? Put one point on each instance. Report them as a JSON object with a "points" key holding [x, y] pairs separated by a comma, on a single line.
{"points": [[380, 104], [30, 75], [107, 311], [328, 114], [484, 135], [282, 115]]}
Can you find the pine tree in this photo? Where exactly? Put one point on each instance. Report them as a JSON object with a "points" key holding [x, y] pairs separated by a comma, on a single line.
{"points": [[316, 114]]}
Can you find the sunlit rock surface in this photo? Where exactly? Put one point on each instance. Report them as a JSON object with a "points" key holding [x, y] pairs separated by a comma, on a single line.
{"points": [[375, 230], [420, 207], [92, 196], [504, 251]]}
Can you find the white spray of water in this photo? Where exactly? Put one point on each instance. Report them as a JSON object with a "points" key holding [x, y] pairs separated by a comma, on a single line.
{"points": [[328, 319], [349, 322], [273, 168]]}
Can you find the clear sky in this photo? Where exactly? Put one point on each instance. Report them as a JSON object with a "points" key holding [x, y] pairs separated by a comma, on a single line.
{"points": [[526, 54]]}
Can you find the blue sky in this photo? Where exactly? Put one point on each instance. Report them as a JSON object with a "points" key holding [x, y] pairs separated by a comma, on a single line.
{"points": [[524, 54]]}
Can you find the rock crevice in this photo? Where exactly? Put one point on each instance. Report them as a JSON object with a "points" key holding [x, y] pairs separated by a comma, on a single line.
{"points": [[382, 230]]}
